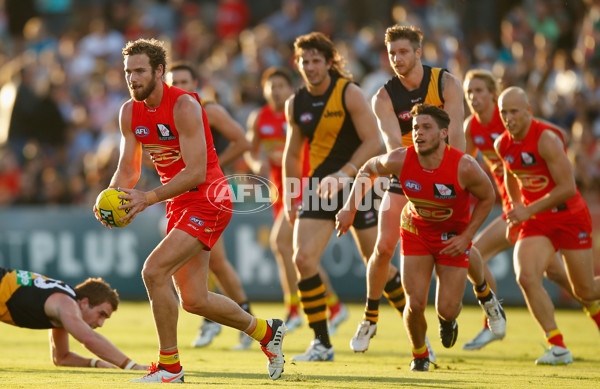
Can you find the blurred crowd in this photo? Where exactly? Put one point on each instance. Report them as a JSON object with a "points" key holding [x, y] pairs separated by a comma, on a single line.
{"points": [[62, 82]]}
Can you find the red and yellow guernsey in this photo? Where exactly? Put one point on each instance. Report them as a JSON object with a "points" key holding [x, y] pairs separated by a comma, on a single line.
{"points": [[155, 129], [523, 160], [437, 203]]}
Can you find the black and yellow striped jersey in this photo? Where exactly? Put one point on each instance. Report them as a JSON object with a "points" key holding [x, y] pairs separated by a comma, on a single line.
{"points": [[23, 295], [430, 92], [325, 121]]}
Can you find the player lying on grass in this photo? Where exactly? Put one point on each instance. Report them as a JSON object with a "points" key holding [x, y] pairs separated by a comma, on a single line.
{"points": [[30, 300]]}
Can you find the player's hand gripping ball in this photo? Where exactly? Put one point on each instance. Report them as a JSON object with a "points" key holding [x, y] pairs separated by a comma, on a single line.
{"points": [[107, 204]]}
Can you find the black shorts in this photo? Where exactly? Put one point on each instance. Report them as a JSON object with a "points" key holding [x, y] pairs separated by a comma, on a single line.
{"points": [[395, 186], [313, 207]]}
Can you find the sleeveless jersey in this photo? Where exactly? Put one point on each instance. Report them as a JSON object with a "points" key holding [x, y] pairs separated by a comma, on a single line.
{"points": [[325, 121], [23, 295], [430, 92], [523, 160], [437, 203], [155, 129], [483, 136]]}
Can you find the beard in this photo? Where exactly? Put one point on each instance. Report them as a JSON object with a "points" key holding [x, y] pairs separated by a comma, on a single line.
{"points": [[430, 150], [141, 95]]}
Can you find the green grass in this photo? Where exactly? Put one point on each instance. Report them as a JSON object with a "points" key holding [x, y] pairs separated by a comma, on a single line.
{"points": [[25, 358]]}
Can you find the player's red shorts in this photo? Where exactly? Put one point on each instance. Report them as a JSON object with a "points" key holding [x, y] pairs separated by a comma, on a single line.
{"points": [[570, 231], [201, 219], [431, 244]]}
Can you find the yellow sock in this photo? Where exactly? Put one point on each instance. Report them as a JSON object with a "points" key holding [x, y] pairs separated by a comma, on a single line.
{"points": [[260, 330], [420, 352], [332, 299], [593, 309]]}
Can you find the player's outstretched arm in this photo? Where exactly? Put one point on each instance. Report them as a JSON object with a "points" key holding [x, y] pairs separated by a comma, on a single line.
{"points": [[221, 120], [65, 310]]}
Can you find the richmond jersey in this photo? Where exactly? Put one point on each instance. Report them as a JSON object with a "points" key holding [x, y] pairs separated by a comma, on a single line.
{"points": [[430, 92], [325, 121], [23, 295]]}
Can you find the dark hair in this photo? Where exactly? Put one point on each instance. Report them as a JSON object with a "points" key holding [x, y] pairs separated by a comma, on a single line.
{"points": [[153, 48], [439, 115], [411, 33], [97, 292], [183, 65], [275, 71], [318, 41]]}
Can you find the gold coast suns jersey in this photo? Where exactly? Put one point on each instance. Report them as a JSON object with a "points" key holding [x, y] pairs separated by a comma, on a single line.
{"points": [[325, 121], [430, 92], [23, 295]]}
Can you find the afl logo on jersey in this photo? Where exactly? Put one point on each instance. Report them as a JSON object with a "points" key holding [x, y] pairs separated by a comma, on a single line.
{"points": [[267, 130], [306, 117], [141, 131], [412, 185], [405, 116], [509, 159], [479, 140]]}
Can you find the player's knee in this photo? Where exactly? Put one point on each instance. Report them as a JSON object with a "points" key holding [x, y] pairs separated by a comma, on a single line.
{"points": [[416, 306], [448, 311], [194, 305], [152, 276], [304, 263], [385, 249], [585, 293], [527, 280]]}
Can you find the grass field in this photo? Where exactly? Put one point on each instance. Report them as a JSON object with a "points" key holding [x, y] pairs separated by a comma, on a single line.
{"points": [[25, 360]]}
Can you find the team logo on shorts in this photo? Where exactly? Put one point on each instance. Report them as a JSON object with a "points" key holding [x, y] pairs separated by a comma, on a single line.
{"points": [[164, 132], [197, 221], [444, 191]]}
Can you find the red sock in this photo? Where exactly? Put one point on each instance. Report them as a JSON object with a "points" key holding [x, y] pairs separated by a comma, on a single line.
{"points": [[335, 308], [485, 324], [169, 360], [555, 338], [596, 318], [267, 337]]}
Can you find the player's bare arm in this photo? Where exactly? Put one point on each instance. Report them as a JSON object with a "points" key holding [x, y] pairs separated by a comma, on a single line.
{"points": [[452, 93], [292, 169], [470, 147], [387, 120], [551, 150], [64, 311], [253, 158], [221, 120], [390, 163], [473, 179], [366, 127], [187, 115], [130, 159]]}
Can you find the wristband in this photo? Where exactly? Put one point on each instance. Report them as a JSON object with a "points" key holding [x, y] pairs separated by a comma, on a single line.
{"points": [[353, 166], [130, 365], [94, 362], [151, 197], [342, 174]]}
